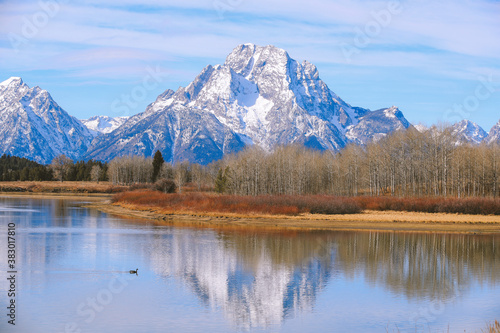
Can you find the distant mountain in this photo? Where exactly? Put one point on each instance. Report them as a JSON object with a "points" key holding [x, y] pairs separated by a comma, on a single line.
{"points": [[464, 131], [34, 126], [259, 96], [103, 124], [179, 132], [468, 131], [494, 134], [421, 128], [375, 125]]}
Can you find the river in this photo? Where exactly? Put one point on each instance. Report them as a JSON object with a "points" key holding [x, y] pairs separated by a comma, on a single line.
{"points": [[72, 274]]}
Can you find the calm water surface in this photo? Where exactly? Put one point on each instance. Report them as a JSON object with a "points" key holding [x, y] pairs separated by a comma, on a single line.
{"points": [[73, 276]]}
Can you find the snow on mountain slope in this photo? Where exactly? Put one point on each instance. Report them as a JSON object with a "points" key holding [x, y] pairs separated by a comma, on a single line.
{"points": [[258, 96], [270, 99], [103, 124], [421, 128], [34, 126], [494, 134], [468, 131], [374, 125], [179, 132]]}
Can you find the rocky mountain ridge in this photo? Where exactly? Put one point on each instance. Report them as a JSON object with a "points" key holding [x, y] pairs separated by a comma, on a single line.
{"points": [[103, 124], [34, 126], [258, 96]]}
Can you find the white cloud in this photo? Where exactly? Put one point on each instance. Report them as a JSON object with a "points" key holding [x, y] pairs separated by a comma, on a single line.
{"points": [[116, 39], [468, 28]]}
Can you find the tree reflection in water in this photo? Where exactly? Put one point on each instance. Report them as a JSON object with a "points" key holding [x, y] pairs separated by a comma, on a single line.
{"points": [[260, 278], [256, 277], [420, 265]]}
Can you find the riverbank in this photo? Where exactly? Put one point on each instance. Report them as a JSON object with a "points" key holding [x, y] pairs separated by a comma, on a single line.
{"points": [[365, 221]]}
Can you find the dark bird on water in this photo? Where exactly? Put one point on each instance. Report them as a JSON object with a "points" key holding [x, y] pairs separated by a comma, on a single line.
{"points": [[134, 272]]}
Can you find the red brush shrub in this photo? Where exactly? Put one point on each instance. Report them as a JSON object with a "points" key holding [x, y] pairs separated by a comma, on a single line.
{"points": [[477, 206], [314, 204], [266, 204]]}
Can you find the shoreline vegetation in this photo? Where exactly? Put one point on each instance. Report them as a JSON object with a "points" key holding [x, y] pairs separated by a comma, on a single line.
{"points": [[293, 205], [493, 327], [310, 212], [204, 209], [390, 221]]}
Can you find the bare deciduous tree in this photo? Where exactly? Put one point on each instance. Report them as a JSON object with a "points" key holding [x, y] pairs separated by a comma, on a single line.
{"points": [[405, 163], [60, 166], [95, 173]]}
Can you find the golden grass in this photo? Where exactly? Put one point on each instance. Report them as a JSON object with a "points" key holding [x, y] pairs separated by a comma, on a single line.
{"points": [[60, 187], [492, 328], [280, 206], [415, 217]]}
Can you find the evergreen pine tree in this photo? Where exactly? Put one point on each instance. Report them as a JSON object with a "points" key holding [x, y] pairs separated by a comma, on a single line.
{"points": [[221, 180], [157, 164]]}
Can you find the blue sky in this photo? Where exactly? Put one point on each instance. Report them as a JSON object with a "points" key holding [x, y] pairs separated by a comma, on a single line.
{"points": [[438, 61]]}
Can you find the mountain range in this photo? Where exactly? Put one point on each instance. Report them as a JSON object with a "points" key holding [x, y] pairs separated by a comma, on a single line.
{"points": [[103, 124], [259, 96], [466, 131], [34, 126]]}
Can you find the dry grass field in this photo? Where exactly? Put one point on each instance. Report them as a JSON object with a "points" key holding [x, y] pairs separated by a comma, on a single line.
{"points": [[60, 187]]}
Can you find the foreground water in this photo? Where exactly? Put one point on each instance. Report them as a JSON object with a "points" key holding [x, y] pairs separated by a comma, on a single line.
{"points": [[73, 276]]}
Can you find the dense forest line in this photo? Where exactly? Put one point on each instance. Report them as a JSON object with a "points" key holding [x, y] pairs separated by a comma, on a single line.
{"points": [[13, 168], [404, 164]]}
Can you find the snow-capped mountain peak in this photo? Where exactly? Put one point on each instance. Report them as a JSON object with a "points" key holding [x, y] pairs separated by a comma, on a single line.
{"points": [[468, 131], [250, 60], [374, 125], [259, 95], [35, 126], [494, 134], [12, 80], [103, 124], [421, 128], [391, 112]]}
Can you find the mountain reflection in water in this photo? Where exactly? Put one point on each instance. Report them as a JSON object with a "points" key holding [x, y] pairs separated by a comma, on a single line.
{"points": [[258, 279]]}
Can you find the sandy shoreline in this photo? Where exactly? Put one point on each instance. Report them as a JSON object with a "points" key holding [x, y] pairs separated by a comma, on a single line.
{"points": [[367, 220]]}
